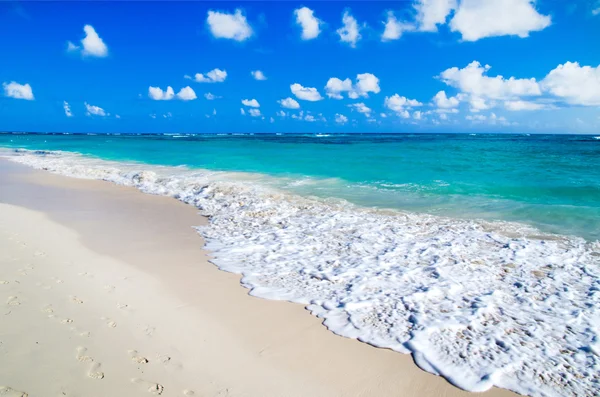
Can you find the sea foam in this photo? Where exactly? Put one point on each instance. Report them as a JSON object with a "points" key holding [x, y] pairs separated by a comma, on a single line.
{"points": [[480, 303]]}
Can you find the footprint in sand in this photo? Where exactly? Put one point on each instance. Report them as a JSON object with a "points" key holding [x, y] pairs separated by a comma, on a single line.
{"points": [[136, 358], [56, 280], [109, 288], [22, 272], [66, 321], [75, 299], [122, 306], [13, 301], [94, 371], [152, 387], [6, 391], [188, 392], [48, 309], [3, 282], [86, 274], [163, 358], [82, 357], [39, 253]]}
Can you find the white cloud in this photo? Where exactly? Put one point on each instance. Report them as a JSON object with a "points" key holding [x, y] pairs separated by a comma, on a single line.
{"points": [[229, 26], [153, 116], [186, 94], [258, 75], [117, 116], [67, 109], [350, 32], [214, 76], [442, 101], [400, 104], [251, 102], [477, 104], [443, 116], [476, 118], [272, 120], [92, 44], [394, 28], [417, 115], [476, 19], [168, 115], [310, 24], [281, 113], [158, 94], [94, 110], [523, 105], [596, 11], [472, 80], [361, 108], [210, 96], [365, 83], [577, 85], [431, 13], [242, 111], [340, 118], [289, 103], [18, 91], [383, 115], [254, 112], [305, 93], [310, 118]]}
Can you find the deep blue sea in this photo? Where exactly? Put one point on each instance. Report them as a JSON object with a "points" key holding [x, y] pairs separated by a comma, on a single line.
{"points": [[551, 182]]}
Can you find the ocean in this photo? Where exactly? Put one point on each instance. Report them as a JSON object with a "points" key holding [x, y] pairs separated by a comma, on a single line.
{"points": [[477, 253]]}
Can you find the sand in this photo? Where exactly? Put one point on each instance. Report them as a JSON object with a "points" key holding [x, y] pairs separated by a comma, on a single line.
{"points": [[107, 291]]}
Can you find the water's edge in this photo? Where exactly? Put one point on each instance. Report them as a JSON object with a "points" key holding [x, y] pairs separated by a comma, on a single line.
{"points": [[479, 303]]}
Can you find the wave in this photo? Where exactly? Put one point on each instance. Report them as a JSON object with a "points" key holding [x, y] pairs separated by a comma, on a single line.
{"points": [[480, 303]]}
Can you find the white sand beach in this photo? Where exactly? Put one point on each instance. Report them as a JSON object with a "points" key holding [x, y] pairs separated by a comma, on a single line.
{"points": [[106, 291]]}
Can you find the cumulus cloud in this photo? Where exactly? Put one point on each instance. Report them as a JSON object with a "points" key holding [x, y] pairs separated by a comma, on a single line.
{"points": [[473, 80], [575, 84], [251, 102], [350, 32], [281, 113], [210, 96], [394, 29], [476, 19], [361, 108], [431, 13], [91, 45], [157, 94], [214, 76], [229, 26], [305, 93], [340, 118], [254, 112], [67, 109], [442, 101], [365, 83], [94, 110], [308, 22], [186, 94], [18, 91], [289, 103], [258, 75], [400, 105]]}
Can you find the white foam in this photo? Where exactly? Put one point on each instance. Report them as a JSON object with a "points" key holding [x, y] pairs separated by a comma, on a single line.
{"points": [[480, 303]]}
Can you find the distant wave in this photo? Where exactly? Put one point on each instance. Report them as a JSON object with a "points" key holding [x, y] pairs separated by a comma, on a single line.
{"points": [[480, 303]]}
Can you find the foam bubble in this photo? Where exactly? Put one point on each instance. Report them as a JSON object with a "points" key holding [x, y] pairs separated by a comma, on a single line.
{"points": [[480, 303]]}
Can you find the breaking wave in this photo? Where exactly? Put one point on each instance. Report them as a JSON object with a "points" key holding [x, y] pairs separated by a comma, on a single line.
{"points": [[480, 303]]}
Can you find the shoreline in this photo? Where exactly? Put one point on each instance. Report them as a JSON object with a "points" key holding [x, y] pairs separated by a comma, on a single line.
{"points": [[264, 338]]}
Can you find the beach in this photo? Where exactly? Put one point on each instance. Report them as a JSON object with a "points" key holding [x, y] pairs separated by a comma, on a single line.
{"points": [[108, 291]]}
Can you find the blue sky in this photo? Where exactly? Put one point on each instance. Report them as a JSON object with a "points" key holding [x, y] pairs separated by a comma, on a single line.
{"points": [[420, 66]]}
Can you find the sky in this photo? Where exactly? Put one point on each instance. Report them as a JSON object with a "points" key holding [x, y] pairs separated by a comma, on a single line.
{"points": [[395, 66]]}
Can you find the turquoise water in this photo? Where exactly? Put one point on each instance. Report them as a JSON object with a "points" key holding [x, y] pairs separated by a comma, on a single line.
{"points": [[549, 181]]}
